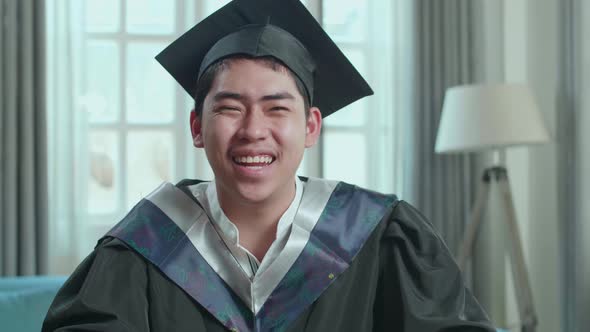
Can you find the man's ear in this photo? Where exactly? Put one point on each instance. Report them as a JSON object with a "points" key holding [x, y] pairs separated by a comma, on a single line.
{"points": [[313, 127], [196, 130]]}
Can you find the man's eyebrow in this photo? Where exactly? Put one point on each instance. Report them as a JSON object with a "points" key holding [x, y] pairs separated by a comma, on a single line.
{"points": [[227, 95], [278, 96], [234, 95]]}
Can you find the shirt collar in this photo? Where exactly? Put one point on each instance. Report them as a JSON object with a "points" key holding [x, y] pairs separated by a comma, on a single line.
{"points": [[229, 230]]}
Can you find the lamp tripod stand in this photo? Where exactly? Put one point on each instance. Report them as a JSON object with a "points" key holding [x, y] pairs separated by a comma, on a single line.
{"points": [[524, 297]]}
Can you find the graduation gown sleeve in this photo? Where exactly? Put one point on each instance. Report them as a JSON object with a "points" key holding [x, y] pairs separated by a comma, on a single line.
{"points": [[94, 300], [114, 289], [420, 286]]}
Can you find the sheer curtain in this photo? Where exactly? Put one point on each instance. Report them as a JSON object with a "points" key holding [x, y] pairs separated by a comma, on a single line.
{"points": [[361, 143], [410, 52], [100, 56], [101, 72], [107, 98], [117, 124], [65, 128]]}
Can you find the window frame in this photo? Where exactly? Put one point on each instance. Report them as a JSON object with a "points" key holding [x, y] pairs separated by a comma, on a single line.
{"points": [[185, 160]]}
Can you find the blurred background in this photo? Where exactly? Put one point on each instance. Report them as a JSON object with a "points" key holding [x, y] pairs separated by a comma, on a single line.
{"points": [[91, 124]]}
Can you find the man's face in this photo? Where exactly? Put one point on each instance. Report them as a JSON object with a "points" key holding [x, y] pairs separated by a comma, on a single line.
{"points": [[254, 131]]}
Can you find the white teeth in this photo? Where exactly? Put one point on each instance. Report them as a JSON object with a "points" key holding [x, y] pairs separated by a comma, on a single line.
{"points": [[255, 159]]}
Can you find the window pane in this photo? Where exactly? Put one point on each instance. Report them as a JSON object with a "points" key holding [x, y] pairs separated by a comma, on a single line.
{"points": [[345, 20], [345, 157], [190, 14], [213, 5], [102, 15], [309, 165], [150, 16], [353, 115], [101, 99], [150, 161], [358, 59], [104, 177], [150, 89], [200, 167]]}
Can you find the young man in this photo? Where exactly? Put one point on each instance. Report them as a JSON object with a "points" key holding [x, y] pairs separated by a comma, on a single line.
{"points": [[259, 249]]}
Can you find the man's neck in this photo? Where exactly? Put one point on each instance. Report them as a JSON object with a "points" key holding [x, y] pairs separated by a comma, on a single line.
{"points": [[257, 221]]}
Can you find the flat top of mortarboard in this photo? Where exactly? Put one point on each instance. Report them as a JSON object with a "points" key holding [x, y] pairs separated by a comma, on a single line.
{"points": [[336, 83]]}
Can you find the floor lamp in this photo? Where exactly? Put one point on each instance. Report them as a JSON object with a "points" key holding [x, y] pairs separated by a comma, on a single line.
{"points": [[477, 118]]}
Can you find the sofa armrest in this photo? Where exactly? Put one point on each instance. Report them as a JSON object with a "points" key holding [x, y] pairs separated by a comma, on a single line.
{"points": [[24, 301]]}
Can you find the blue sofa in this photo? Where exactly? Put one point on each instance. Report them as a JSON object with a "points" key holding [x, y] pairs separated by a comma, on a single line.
{"points": [[24, 301]]}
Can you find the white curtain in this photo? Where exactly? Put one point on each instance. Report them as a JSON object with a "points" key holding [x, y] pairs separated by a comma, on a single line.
{"points": [[361, 143], [86, 63], [390, 40], [398, 146], [65, 126], [74, 231], [386, 53]]}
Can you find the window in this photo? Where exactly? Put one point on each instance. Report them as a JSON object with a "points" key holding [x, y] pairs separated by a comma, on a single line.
{"points": [[118, 123], [136, 116], [358, 141], [345, 132]]}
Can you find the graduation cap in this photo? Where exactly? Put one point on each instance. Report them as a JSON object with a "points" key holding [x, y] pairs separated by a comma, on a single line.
{"points": [[283, 29]]}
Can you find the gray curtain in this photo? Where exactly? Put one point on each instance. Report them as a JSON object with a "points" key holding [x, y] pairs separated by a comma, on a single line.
{"points": [[23, 186], [444, 53], [573, 132]]}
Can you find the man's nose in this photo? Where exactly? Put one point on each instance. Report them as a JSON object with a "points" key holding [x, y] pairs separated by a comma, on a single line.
{"points": [[254, 126]]}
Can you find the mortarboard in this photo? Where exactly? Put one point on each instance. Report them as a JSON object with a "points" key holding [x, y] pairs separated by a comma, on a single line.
{"points": [[283, 29]]}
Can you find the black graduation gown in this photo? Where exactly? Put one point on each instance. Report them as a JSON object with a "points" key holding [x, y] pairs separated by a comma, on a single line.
{"points": [[403, 278]]}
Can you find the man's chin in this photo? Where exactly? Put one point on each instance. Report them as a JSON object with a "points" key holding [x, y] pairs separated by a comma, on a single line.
{"points": [[254, 193], [245, 192]]}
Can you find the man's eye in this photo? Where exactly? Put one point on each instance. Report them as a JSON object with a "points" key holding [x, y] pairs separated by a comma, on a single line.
{"points": [[279, 108], [228, 109]]}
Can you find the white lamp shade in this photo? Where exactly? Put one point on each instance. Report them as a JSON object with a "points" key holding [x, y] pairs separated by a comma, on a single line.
{"points": [[478, 117]]}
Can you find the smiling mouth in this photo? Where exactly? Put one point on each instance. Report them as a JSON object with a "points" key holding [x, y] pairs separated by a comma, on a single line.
{"points": [[254, 161]]}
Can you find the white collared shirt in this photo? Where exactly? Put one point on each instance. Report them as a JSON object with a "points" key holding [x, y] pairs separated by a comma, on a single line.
{"points": [[206, 194]]}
